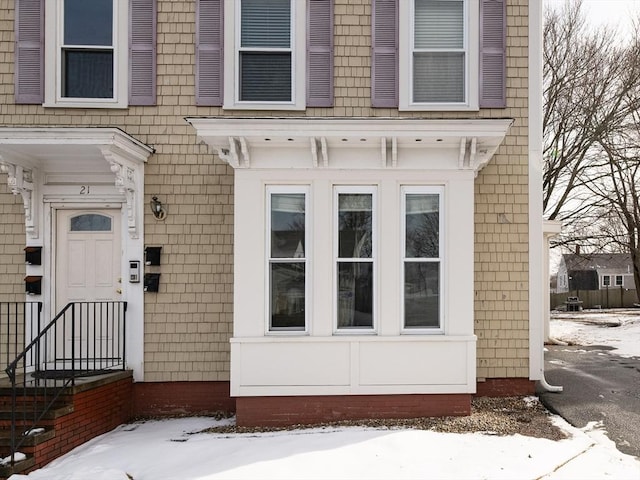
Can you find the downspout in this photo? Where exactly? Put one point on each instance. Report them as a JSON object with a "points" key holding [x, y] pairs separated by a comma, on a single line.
{"points": [[550, 229], [538, 241]]}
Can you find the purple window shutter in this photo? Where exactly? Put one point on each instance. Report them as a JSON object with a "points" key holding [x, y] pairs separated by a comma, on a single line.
{"points": [[493, 21], [29, 51], [142, 52], [209, 33], [320, 53], [384, 54]]}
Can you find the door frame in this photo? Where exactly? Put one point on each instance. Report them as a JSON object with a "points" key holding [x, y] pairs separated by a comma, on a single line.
{"points": [[131, 249]]}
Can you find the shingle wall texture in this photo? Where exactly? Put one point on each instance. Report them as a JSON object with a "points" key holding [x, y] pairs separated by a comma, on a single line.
{"points": [[189, 322]]}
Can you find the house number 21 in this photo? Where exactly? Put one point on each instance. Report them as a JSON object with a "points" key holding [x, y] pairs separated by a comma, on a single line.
{"points": [[85, 189]]}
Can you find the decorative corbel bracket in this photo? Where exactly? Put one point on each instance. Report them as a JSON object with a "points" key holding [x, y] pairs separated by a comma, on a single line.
{"points": [[468, 158], [237, 154], [125, 182], [21, 181], [319, 152], [389, 152]]}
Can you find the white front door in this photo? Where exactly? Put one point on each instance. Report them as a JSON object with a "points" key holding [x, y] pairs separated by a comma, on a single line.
{"points": [[88, 269]]}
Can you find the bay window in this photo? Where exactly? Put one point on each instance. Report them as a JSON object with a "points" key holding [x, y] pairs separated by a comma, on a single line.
{"points": [[421, 258], [355, 253], [287, 268]]}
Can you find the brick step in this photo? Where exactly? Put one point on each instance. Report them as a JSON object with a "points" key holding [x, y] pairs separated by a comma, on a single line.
{"points": [[58, 410], [23, 466], [29, 441]]}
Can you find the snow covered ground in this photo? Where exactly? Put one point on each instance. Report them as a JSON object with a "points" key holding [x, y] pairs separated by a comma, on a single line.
{"points": [[619, 329], [170, 450]]}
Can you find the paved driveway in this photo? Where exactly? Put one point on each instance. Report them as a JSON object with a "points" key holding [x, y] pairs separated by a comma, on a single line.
{"points": [[598, 386]]}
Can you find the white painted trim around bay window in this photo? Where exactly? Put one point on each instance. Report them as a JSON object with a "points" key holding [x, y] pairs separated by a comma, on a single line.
{"points": [[308, 254], [356, 189], [440, 191]]}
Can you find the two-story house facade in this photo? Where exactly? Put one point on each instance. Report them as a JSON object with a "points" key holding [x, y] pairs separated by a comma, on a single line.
{"points": [[349, 212]]}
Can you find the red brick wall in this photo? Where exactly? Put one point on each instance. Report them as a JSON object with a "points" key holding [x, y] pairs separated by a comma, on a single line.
{"points": [[505, 387], [176, 398], [95, 412], [280, 411]]}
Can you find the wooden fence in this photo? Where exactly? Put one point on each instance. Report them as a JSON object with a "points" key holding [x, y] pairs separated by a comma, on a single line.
{"points": [[614, 297]]}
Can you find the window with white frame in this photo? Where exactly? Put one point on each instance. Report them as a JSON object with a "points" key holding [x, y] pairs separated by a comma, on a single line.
{"points": [[89, 55], [437, 60], [265, 53], [619, 281], [87, 51], [606, 280], [422, 257], [355, 257], [287, 270]]}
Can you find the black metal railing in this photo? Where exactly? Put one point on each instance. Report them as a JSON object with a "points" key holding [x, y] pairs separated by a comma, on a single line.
{"points": [[19, 324], [85, 338]]}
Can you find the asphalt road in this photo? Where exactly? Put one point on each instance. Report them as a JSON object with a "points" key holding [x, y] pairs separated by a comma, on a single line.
{"points": [[598, 386]]}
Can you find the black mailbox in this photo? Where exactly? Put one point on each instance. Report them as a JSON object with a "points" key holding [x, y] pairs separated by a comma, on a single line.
{"points": [[151, 282], [33, 255], [33, 284], [152, 255]]}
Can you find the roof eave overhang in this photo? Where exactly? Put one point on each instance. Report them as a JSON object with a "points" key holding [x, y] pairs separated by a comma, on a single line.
{"points": [[470, 143]]}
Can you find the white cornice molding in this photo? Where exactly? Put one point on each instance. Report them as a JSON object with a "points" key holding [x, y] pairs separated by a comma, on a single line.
{"points": [[328, 141], [125, 155]]}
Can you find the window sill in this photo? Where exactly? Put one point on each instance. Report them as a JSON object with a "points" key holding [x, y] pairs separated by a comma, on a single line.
{"points": [[438, 107], [263, 106], [86, 104]]}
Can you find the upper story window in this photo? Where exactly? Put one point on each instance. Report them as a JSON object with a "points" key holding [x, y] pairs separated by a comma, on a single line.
{"points": [[439, 55], [437, 60], [87, 49], [619, 281], [264, 54], [355, 257], [89, 54], [606, 280]]}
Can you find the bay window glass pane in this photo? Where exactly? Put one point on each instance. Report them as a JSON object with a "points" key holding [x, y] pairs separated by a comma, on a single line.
{"points": [[265, 23], [438, 77], [87, 74], [355, 294], [354, 225], [287, 295], [287, 225], [88, 22], [422, 224], [439, 24], [265, 76], [422, 294]]}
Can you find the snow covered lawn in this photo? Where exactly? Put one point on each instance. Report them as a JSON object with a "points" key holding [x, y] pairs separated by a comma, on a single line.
{"points": [[173, 450], [619, 329], [170, 450]]}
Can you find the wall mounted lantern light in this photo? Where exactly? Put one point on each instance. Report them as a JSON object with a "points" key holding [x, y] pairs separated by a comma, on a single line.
{"points": [[158, 209]]}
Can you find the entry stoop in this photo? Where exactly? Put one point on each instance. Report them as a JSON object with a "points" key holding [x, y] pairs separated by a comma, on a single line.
{"points": [[95, 405]]}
